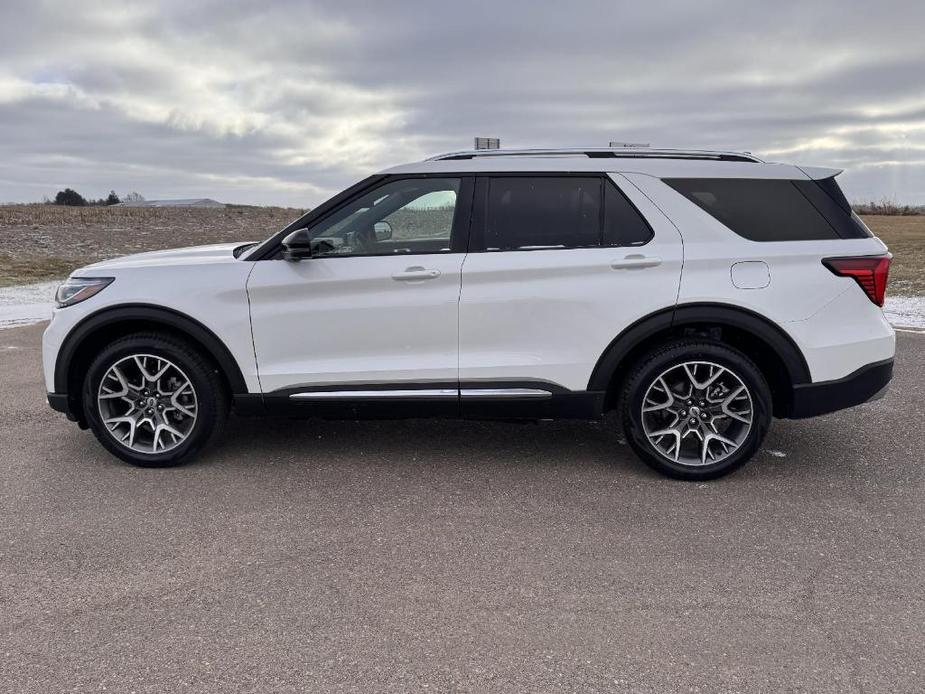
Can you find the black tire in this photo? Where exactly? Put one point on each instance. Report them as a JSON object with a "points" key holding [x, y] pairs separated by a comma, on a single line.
{"points": [[211, 395], [660, 361]]}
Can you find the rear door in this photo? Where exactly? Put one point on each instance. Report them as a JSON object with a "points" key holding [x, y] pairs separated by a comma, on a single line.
{"points": [[558, 266]]}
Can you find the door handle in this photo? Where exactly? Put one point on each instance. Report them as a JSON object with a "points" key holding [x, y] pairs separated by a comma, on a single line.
{"points": [[415, 274], [636, 261]]}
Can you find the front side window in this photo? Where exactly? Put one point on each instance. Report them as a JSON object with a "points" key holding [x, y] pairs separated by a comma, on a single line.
{"points": [[406, 216], [549, 212]]}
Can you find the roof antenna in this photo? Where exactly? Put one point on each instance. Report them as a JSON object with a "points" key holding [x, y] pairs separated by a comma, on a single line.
{"points": [[488, 143]]}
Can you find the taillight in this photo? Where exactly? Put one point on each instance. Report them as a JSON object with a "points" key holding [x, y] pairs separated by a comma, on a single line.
{"points": [[870, 272]]}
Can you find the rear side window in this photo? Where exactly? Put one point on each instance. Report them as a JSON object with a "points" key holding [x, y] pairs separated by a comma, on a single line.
{"points": [[546, 212], [543, 212], [773, 209]]}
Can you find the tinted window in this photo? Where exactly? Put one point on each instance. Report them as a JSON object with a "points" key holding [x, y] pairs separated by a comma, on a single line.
{"points": [[560, 212], [403, 216], [623, 225], [833, 191], [758, 209], [827, 198], [543, 212]]}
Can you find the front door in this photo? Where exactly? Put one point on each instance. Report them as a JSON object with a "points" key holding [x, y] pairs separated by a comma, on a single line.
{"points": [[376, 306]]}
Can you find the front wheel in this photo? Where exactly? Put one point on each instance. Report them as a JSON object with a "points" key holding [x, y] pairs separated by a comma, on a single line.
{"points": [[153, 400], [695, 409]]}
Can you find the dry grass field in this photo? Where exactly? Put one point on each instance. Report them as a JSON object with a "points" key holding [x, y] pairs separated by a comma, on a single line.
{"points": [[44, 242], [906, 238]]}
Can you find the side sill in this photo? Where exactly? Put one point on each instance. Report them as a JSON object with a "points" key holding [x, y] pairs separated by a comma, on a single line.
{"points": [[524, 405], [566, 405], [866, 384], [361, 408]]}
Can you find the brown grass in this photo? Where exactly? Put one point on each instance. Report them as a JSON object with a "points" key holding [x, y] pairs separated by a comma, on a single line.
{"points": [[25, 270], [44, 242], [886, 207], [41, 215], [906, 238]]}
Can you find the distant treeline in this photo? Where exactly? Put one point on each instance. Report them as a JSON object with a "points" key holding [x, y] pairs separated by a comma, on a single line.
{"points": [[71, 198], [888, 207]]}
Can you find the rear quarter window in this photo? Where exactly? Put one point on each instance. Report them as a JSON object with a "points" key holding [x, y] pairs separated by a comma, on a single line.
{"points": [[773, 209]]}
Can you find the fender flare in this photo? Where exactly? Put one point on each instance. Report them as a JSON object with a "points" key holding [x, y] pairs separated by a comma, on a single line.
{"points": [[174, 320], [698, 313]]}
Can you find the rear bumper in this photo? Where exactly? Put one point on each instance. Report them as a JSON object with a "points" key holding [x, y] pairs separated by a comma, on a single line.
{"points": [[867, 383]]}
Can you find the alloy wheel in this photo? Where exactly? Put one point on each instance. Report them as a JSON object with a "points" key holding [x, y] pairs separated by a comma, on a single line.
{"points": [[697, 413], [147, 403]]}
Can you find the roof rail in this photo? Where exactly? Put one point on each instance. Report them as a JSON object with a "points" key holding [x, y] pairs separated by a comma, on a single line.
{"points": [[603, 153]]}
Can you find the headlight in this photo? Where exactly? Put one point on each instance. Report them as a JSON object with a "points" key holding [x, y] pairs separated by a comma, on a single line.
{"points": [[77, 289]]}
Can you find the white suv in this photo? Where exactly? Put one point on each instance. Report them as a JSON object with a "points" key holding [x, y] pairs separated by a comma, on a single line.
{"points": [[699, 293]]}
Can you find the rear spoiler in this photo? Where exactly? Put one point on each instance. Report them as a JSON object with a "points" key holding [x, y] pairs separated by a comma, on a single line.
{"points": [[818, 173]]}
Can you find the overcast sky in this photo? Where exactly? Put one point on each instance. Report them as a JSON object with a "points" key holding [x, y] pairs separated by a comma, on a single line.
{"points": [[287, 102]]}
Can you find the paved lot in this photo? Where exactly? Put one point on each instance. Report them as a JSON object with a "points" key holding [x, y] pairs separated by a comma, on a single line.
{"points": [[372, 557]]}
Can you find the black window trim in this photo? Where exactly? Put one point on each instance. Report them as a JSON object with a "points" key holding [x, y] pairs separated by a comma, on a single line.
{"points": [[471, 208], [459, 233], [272, 248], [479, 215]]}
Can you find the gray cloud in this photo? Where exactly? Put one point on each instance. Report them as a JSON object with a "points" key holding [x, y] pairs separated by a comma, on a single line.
{"points": [[288, 101]]}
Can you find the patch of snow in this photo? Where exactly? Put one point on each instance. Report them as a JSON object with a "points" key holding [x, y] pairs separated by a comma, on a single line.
{"points": [[905, 311], [776, 454], [43, 292], [26, 303]]}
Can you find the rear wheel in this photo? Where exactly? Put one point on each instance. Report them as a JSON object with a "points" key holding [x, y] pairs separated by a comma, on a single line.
{"points": [[695, 409], [153, 400]]}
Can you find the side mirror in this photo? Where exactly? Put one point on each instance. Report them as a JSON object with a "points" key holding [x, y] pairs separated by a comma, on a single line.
{"points": [[383, 231], [297, 246]]}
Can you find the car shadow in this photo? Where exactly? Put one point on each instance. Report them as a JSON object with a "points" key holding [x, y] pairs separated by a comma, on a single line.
{"points": [[426, 442]]}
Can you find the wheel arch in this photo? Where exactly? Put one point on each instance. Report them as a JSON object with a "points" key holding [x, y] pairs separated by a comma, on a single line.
{"points": [[108, 324], [766, 343]]}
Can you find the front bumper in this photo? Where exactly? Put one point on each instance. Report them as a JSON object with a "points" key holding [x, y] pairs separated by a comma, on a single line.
{"points": [[867, 383]]}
